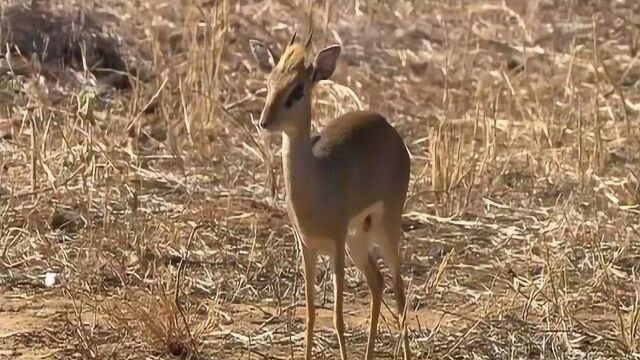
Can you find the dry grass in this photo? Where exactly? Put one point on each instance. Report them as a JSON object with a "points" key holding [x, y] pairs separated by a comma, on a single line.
{"points": [[522, 226]]}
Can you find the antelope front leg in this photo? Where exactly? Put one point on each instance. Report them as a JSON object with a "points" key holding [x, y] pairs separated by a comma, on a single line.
{"points": [[310, 259], [338, 287]]}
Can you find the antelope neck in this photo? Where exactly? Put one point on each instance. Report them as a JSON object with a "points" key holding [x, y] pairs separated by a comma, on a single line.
{"points": [[302, 173]]}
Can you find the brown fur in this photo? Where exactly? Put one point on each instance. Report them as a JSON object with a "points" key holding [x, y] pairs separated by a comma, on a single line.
{"points": [[345, 187]]}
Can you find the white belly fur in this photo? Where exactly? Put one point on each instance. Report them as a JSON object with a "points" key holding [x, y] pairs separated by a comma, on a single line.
{"points": [[356, 236], [356, 223]]}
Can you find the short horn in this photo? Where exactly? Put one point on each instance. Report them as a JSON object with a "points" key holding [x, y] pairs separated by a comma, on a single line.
{"points": [[310, 32], [293, 38], [309, 37]]}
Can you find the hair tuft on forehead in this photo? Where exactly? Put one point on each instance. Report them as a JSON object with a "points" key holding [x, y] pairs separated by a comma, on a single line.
{"points": [[292, 56]]}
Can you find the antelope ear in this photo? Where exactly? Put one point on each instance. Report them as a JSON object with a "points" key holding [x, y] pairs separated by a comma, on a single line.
{"points": [[266, 58], [325, 63]]}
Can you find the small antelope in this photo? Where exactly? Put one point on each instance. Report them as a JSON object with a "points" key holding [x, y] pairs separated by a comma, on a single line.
{"points": [[345, 187]]}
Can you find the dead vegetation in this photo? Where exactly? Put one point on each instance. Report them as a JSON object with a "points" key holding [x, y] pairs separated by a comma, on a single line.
{"points": [[522, 221]]}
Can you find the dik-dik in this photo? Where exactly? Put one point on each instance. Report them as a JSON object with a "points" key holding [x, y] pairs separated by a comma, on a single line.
{"points": [[345, 188]]}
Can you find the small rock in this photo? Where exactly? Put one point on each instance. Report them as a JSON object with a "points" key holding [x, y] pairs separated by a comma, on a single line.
{"points": [[619, 155], [5, 134], [50, 279], [66, 220]]}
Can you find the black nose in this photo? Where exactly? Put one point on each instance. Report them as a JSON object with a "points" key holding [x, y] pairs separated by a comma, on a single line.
{"points": [[264, 118]]}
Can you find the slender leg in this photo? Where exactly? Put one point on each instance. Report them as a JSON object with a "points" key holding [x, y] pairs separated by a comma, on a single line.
{"points": [[376, 284], [310, 259], [366, 263], [398, 291], [392, 258], [338, 287]]}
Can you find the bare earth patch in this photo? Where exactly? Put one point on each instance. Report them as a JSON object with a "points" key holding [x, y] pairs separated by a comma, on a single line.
{"points": [[24, 316]]}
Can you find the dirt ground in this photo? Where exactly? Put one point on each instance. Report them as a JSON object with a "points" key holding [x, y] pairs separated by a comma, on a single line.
{"points": [[142, 213]]}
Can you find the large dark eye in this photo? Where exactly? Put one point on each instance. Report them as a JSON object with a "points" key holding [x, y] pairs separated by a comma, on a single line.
{"points": [[296, 94]]}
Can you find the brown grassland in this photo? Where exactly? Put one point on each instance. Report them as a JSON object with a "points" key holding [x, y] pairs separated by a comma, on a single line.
{"points": [[132, 171]]}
